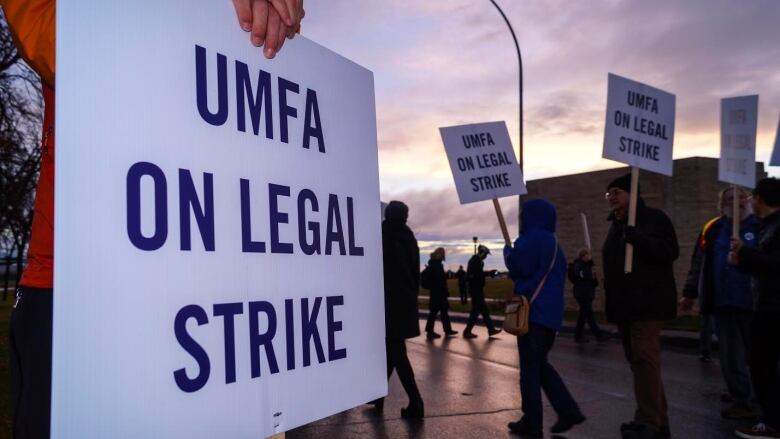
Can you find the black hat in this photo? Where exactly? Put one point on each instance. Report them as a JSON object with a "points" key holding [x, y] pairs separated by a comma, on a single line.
{"points": [[396, 210], [623, 182]]}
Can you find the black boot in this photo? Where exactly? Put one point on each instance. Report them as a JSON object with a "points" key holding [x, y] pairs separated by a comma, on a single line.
{"points": [[415, 410], [379, 404]]}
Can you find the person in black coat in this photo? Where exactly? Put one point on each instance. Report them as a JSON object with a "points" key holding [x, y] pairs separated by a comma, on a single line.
{"points": [[401, 261], [463, 287], [439, 297], [476, 273], [585, 283], [639, 302], [763, 264]]}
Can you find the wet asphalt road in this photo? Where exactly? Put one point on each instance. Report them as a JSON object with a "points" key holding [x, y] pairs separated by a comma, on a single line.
{"points": [[470, 388]]}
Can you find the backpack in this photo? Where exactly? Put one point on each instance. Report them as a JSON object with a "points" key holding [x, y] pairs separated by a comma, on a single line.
{"points": [[425, 278], [571, 273]]}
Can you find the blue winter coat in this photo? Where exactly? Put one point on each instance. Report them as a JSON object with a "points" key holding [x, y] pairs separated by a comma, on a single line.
{"points": [[530, 259]]}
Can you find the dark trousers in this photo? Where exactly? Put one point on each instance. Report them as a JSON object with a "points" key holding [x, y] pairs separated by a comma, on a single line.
{"points": [[537, 374], [733, 329], [398, 360], [706, 330], [764, 359], [586, 316], [642, 346], [445, 318], [478, 306], [464, 292], [30, 352]]}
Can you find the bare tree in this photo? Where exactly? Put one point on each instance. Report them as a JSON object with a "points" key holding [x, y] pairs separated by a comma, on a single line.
{"points": [[20, 150]]}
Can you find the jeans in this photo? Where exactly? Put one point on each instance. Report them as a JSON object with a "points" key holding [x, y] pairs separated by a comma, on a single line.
{"points": [[537, 374], [586, 316], [733, 329], [642, 346], [478, 306], [764, 359], [30, 351]]}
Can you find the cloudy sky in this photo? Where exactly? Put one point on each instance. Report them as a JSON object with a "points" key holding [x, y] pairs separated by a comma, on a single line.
{"points": [[446, 62]]}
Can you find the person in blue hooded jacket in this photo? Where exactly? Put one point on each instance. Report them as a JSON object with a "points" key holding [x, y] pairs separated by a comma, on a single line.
{"points": [[537, 259]]}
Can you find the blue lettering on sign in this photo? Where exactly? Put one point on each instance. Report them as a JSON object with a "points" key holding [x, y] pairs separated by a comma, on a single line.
{"points": [[261, 343], [134, 175], [259, 102], [340, 229]]}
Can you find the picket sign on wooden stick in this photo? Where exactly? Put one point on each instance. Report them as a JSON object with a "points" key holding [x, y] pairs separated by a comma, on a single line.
{"points": [[501, 222], [629, 266], [585, 230]]}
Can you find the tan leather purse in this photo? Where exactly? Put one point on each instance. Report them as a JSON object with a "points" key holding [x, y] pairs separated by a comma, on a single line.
{"points": [[518, 309]]}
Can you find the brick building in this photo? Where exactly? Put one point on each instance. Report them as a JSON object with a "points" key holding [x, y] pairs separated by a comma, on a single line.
{"points": [[689, 198]]}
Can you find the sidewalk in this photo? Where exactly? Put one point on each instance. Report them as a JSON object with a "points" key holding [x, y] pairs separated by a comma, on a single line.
{"points": [[669, 338]]}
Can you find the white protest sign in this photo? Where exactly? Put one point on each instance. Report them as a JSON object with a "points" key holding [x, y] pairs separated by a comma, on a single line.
{"points": [[482, 161], [738, 124], [218, 246], [775, 159], [640, 125]]}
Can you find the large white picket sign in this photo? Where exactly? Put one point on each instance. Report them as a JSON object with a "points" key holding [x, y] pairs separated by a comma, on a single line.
{"points": [[775, 159], [482, 161], [218, 245], [640, 125], [738, 125]]}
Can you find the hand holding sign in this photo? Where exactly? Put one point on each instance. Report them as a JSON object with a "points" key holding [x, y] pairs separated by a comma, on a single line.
{"points": [[269, 21]]}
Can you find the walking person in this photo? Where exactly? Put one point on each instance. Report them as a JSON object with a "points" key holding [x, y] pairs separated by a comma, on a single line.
{"points": [[463, 287], [639, 302], [585, 283], [401, 262], [439, 298], [476, 274], [763, 264], [724, 293], [537, 267]]}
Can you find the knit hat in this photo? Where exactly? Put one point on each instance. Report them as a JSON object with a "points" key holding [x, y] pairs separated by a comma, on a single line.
{"points": [[623, 183]]}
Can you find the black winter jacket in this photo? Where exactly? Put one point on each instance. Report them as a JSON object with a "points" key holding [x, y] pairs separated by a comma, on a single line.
{"points": [[476, 271], [649, 292], [584, 282], [439, 290], [763, 263], [401, 260]]}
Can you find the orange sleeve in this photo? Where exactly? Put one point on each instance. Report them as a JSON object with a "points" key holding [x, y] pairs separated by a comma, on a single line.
{"points": [[32, 25]]}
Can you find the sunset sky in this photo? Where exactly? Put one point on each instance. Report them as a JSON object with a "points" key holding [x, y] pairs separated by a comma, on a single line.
{"points": [[448, 62]]}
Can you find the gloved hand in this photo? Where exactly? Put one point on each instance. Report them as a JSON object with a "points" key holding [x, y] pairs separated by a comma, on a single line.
{"points": [[631, 234]]}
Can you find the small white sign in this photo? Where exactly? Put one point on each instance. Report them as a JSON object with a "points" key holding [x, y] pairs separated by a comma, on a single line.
{"points": [[775, 159], [218, 245], [640, 125], [738, 125], [482, 161]]}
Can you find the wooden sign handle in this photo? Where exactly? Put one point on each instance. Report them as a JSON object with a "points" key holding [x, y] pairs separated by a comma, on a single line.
{"points": [[629, 265], [736, 217], [585, 230], [501, 222]]}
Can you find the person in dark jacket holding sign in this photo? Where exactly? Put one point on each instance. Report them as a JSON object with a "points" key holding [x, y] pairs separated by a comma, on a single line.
{"points": [[439, 297], [585, 283], [639, 302], [537, 267], [763, 264], [401, 262]]}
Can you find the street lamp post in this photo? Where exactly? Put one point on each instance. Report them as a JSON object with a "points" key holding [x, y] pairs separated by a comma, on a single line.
{"points": [[475, 239], [520, 96]]}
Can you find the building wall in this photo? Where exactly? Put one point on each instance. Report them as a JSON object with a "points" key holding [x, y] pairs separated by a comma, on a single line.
{"points": [[689, 198]]}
